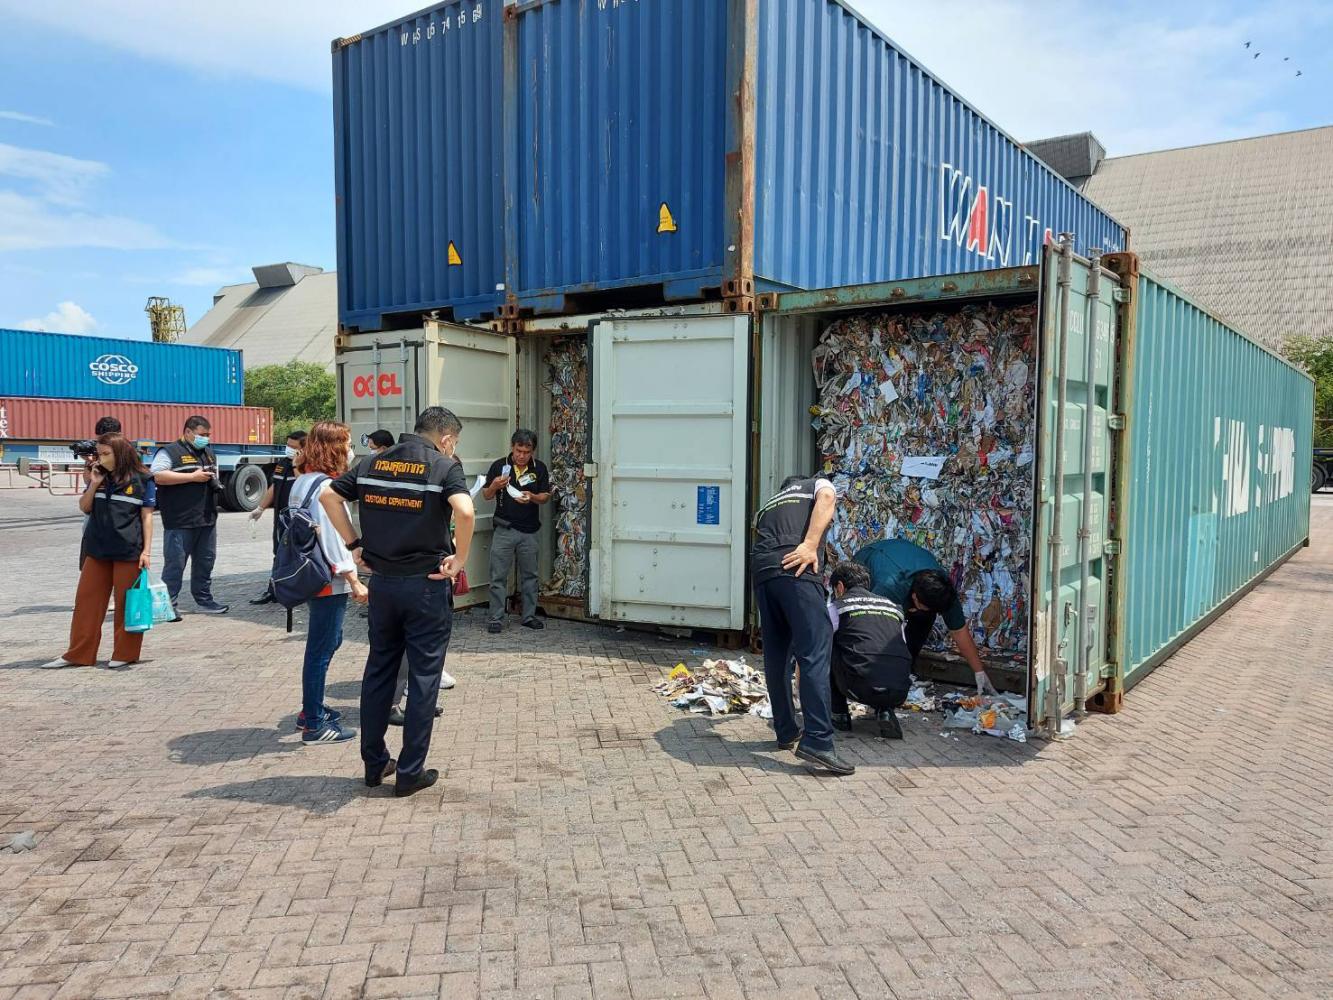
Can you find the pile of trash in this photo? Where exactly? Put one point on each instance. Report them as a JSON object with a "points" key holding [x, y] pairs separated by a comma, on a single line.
{"points": [[567, 363], [926, 426], [1002, 715], [719, 687]]}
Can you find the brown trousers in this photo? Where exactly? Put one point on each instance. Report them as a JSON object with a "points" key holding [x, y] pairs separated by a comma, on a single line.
{"points": [[96, 581]]}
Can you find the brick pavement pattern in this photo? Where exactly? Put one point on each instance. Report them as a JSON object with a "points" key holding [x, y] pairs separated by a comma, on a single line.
{"points": [[588, 840]]}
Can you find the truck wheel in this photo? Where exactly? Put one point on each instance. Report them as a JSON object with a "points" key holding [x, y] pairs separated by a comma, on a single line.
{"points": [[245, 488], [1318, 478]]}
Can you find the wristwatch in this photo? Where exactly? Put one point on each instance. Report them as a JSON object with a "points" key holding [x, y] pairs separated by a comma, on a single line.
{"points": [[354, 544]]}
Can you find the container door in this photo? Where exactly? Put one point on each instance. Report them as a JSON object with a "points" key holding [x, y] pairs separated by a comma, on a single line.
{"points": [[669, 432], [1070, 565], [377, 382], [471, 371]]}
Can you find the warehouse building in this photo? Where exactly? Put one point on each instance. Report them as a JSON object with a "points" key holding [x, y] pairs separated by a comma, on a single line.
{"points": [[1245, 226], [288, 313]]}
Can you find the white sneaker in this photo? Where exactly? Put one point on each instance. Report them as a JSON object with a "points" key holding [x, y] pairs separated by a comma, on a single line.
{"points": [[446, 680], [58, 663], [117, 664]]}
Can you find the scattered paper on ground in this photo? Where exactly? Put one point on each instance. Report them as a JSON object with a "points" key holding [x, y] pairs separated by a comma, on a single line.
{"points": [[719, 687]]}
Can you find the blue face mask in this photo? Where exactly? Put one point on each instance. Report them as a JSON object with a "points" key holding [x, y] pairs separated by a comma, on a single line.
{"points": [[200, 442]]}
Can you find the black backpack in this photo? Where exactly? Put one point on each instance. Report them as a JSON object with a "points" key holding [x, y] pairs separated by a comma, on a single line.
{"points": [[300, 570]]}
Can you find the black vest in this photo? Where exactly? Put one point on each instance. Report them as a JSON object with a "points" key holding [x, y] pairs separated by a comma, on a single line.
{"points": [[284, 475], [114, 530], [189, 505], [402, 495], [870, 652], [779, 527]]}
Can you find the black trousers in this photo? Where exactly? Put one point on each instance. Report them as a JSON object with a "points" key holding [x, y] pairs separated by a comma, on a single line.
{"points": [[412, 615], [876, 701], [917, 630]]}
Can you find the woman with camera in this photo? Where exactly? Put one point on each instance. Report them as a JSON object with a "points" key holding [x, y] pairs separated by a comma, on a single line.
{"points": [[117, 538]]}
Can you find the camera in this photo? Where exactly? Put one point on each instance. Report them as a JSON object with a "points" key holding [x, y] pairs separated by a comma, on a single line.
{"points": [[84, 449]]}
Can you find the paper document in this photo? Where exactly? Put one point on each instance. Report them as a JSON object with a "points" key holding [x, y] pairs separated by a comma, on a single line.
{"points": [[923, 466], [476, 487]]}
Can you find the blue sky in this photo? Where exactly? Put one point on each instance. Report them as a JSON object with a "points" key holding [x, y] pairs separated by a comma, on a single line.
{"points": [[156, 148]]}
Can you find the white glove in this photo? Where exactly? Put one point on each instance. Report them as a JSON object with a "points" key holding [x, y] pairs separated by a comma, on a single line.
{"points": [[984, 686], [256, 514]]}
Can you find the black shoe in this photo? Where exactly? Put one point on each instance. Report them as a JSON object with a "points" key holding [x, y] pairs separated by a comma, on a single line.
{"points": [[534, 623], [889, 728], [265, 598], [789, 745], [495, 628], [411, 786], [212, 609], [396, 717], [176, 619], [374, 780], [842, 721], [827, 759], [438, 711]]}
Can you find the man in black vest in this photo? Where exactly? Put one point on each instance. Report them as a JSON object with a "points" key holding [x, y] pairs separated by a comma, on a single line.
{"points": [[407, 494], [871, 662], [789, 594], [186, 473], [277, 495]]}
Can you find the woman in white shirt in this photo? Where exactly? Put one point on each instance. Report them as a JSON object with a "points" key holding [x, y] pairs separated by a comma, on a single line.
{"points": [[323, 459]]}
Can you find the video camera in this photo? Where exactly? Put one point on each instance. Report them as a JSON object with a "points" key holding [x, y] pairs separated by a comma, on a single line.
{"points": [[84, 449]]}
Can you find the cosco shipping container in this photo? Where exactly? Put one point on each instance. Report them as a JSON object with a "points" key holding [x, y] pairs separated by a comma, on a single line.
{"points": [[66, 366], [1100, 464], [563, 154]]}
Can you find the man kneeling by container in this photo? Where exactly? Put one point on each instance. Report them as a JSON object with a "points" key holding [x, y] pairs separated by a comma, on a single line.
{"points": [[912, 578], [871, 664]]}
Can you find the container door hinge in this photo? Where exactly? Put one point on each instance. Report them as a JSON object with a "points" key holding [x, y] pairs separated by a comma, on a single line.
{"points": [[1116, 421], [1121, 294], [1111, 547], [589, 470], [1110, 670]]}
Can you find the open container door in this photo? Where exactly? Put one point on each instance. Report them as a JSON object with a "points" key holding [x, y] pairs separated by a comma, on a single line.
{"points": [[669, 455], [1072, 547], [386, 378]]}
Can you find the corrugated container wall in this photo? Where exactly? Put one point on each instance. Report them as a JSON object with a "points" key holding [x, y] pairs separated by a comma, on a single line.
{"points": [[66, 420], [1215, 482], [418, 165], [871, 169], [571, 147], [76, 367]]}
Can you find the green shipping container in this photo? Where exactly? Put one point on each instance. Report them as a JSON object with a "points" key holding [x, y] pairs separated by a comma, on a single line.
{"points": [[1170, 460]]}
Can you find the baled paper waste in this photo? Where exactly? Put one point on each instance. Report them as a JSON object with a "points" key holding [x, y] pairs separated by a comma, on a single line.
{"points": [[567, 364]]}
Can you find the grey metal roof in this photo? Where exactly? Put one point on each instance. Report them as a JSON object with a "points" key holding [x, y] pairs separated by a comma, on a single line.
{"points": [[1244, 226], [274, 323]]}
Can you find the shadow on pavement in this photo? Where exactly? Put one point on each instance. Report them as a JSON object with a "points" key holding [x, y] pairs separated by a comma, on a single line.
{"points": [[40, 609], [318, 794], [224, 746], [704, 740]]}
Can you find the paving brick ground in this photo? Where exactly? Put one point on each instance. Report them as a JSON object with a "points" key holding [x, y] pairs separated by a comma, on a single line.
{"points": [[587, 840]]}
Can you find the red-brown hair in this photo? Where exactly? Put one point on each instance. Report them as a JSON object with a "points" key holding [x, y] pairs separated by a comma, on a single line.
{"points": [[325, 448], [126, 455]]}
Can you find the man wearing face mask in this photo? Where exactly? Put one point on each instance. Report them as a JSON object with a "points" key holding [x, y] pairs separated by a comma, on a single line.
{"points": [[186, 473], [406, 495], [284, 474]]}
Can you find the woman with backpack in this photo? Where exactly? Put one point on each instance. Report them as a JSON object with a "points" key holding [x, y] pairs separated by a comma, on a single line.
{"points": [[323, 458], [117, 538]]}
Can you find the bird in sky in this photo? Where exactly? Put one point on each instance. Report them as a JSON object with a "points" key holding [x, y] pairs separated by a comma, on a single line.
{"points": [[1257, 55], [1247, 45], [1298, 72], [1286, 58]]}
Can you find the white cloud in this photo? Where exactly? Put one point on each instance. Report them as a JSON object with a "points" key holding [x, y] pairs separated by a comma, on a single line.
{"points": [[28, 223], [61, 179], [285, 42], [19, 116], [67, 317], [211, 277]]}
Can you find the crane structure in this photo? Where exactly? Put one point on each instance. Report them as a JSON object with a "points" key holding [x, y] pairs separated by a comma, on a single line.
{"points": [[166, 319]]}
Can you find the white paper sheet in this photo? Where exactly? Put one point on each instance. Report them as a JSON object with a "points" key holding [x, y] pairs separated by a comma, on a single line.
{"points": [[476, 487], [923, 466]]}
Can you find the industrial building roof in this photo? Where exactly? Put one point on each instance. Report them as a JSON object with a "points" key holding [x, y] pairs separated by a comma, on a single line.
{"points": [[1246, 226], [288, 313]]}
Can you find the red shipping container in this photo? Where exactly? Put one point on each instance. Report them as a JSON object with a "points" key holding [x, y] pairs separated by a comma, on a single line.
{"points": [[67, 420]]}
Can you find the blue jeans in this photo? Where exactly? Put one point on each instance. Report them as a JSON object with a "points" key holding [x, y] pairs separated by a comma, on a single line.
{"points": [[412, 615], [322, 639], [794, 621], [200, 547]]}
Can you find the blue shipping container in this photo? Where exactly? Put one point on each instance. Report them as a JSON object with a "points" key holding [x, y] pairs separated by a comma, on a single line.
{"points": [[845, 162], [664, 150], [418, 165], [62, 366]]}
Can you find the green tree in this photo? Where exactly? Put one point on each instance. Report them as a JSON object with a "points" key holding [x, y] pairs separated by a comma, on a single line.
{"points": [[298, 394], [1315, 356]]}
